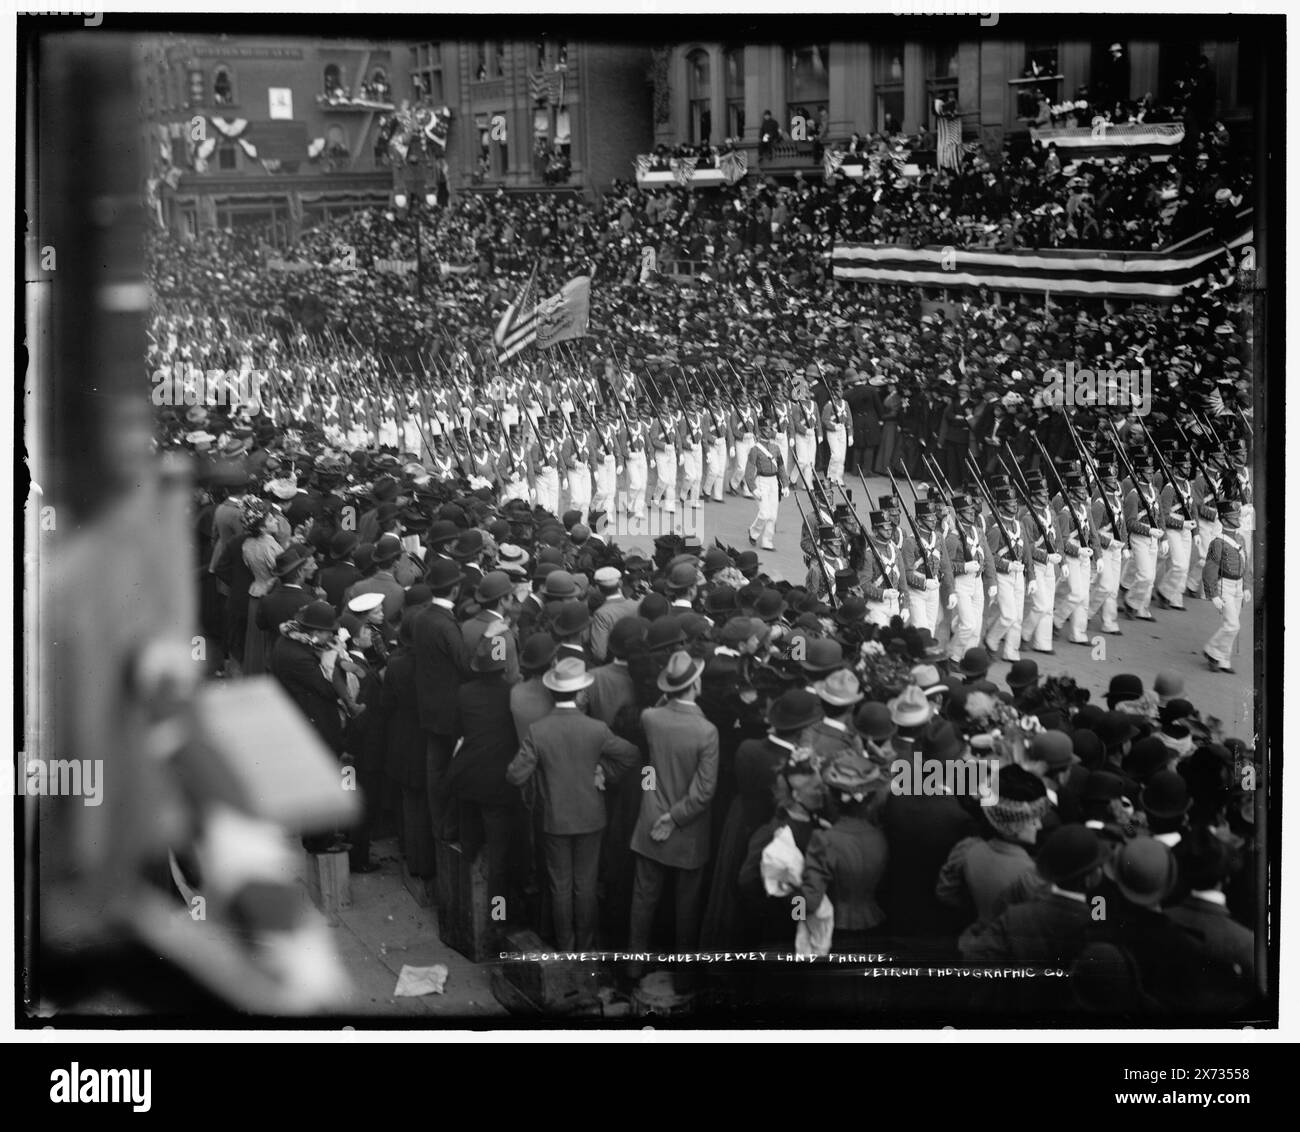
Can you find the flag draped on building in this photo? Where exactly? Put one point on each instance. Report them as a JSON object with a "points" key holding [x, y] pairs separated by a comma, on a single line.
{"points": [[1135, 275], [734, 166], [949, 144], [832, 159], [685, 170]]}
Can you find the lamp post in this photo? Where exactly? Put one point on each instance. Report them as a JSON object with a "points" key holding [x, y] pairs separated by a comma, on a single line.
{"points": [[411, 196]]}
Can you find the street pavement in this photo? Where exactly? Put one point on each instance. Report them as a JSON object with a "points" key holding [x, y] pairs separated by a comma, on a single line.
{"points": [[1172, 642]]}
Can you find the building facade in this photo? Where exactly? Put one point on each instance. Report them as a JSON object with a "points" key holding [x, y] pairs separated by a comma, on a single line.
{"points": [[288, 132], [716, 90]]}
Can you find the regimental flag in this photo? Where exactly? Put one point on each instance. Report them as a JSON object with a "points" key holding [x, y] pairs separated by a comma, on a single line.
{"points": [[1134, 275], [685, 170], [949, 144], [832, 159], [518, 326], [734, 166], [564, 316], [544, 87]]}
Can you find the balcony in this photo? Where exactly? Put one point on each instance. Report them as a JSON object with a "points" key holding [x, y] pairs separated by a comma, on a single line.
{"points": [[364, 103]]}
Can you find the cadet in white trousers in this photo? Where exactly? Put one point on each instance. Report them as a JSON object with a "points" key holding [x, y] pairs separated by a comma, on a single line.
{"points": [[1112, 534], [1013, 561], [927, 569], [1228, 584], [972, 565], [1180, 521], [1146, 527], [635, 439], [1041, 526], [767, 479], [1081, 544]]}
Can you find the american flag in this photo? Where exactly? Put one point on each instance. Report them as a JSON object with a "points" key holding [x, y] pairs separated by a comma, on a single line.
{"points": [[949, 144], [518, 326], [685, 170]]}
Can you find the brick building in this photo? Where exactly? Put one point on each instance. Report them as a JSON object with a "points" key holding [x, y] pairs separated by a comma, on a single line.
{"points": [[720, 89], [257, 130]]}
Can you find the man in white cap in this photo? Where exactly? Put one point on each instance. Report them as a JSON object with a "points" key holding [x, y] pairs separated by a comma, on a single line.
{"points": [[576, 756], [613, 608], [672, 832], [1227, 580]]}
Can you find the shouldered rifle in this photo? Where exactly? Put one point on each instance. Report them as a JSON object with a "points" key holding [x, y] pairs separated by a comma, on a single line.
{"points": [[1165, 470], [916, 531], [871, 542], [1132, 475], [1196, 456], [1092, 471], [1026, 498], [984, 494], [821, 558]]}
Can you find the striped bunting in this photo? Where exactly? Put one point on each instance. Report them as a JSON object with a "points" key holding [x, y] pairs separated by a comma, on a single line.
{"points": [[1155, 275]]}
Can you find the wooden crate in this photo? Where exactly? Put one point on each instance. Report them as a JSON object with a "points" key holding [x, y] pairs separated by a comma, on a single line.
{"points": [[551, 984], [464, 908], [329, 881]]}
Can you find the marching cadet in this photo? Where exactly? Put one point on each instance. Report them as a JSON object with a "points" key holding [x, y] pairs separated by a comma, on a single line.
{"points": [[635, 440], [691, 441], [606, 467], [927, 568], [1145, 520], [1014, 562], [1112, 536], [442, 463], [1243, 491], [481, 464], [828, 537], [577, 465], [780, 413], [968, 547], [765, 479], [512, 467], [805, 426], [1207, 494], [1227, 578], [544, 464], [1042, 526], [882, 581], [744, 426], [717, 440], [893, 509], [837, 425], [1081, 542], [1179, 507], [664, 440]]}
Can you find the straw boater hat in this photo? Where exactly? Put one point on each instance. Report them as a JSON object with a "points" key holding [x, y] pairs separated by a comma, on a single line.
{"points": [[569, 675]]}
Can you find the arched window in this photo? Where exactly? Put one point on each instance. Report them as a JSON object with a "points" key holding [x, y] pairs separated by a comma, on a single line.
{"points": [[808, 86], [333, 80], [733, 63], [336, 142], [699, 93], [223, 87]]}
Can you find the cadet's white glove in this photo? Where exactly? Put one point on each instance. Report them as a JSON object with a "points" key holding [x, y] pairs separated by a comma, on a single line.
{"points": [[952, 601], [1189, 524], [1032, 586], [1085, 552], [993, 592], [1218, 603], [1245, 595]]}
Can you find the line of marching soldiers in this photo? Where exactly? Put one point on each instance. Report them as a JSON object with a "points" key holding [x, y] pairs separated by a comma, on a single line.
{"points": [[1013, 563], [677, 449]]}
